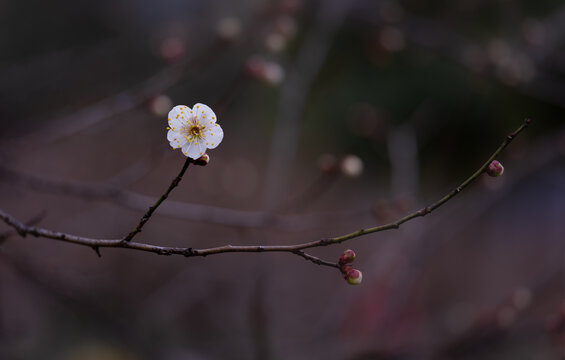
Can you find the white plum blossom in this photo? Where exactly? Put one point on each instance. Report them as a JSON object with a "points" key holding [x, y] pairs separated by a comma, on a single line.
{"points": [[193, 130]]}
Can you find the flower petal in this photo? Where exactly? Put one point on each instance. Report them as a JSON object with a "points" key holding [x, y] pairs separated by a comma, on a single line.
{"points": [[178, 116], [194, 149], [176, 140], [204, 114], [213, 135], [175, 145]]}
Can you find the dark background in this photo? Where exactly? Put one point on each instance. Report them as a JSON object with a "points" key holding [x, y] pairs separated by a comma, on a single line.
{"points": [[422, 92]]}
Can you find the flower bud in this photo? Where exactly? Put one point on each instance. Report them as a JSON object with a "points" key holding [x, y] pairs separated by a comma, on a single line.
{"points": [[352, 166], [347, 257], [344, 270], [275, 42], [203, 160], [172, 49], [495, 168], [268, 72], [160, 105], [327, 163], [291, 6], [228, 28], [354, 277], [274, 74]]}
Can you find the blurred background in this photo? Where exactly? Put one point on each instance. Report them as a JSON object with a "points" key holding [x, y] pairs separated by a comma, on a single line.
{"points": [[338, 115]]}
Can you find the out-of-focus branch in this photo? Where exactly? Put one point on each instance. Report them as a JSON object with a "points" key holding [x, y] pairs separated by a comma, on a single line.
{"points": [[294, 90], [403, 157], [121, 102], [172, 208], [297, 249], [446, 42]]}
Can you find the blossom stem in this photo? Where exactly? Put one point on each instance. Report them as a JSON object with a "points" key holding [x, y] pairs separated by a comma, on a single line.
{"points": [[152, 209]]}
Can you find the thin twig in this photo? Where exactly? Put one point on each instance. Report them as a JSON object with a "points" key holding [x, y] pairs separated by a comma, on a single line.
{"points": [[149, 212], [297, 249], [34, 220], [309, 60], [425, 211]]}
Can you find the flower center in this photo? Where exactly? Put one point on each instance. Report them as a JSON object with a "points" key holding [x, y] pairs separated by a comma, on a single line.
{"points": [[195, 130]]}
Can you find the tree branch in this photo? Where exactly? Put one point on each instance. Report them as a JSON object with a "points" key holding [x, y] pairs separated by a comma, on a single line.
{"points": [[297, 249]]}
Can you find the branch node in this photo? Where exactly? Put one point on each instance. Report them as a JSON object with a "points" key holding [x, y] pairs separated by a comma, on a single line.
{"points": [[22, 232], [188, 252], [97, 251], [260, 248]]}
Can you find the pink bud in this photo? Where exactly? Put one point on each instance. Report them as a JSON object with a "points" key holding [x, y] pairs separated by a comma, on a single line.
{"points": [[495, 168], [347, 257], [266, 71], [354, 277], [172, 49], [327, 163], [203, 160], [291, 6], [345, 270]]}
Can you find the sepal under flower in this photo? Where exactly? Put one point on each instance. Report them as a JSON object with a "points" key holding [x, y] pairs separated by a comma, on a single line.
{"points": [[203, 160]]}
